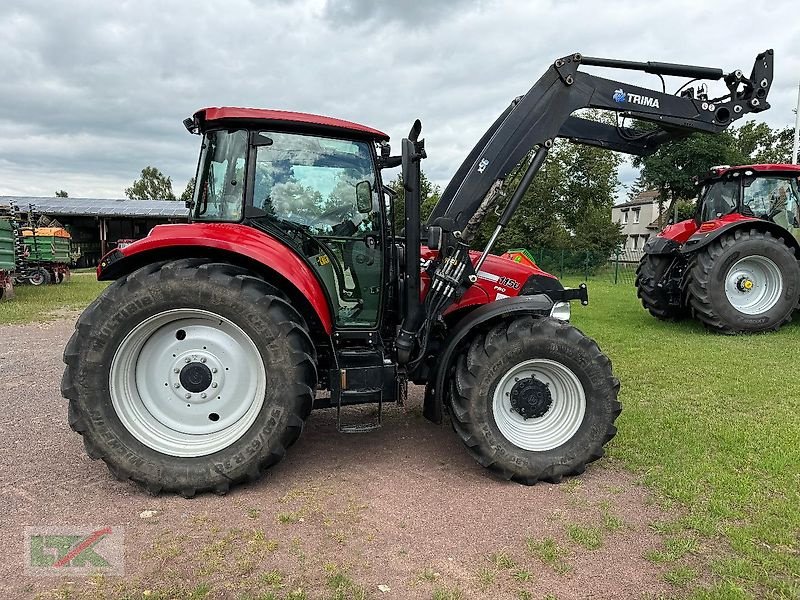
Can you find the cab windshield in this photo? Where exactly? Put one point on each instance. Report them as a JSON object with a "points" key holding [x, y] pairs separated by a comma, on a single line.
{"points": [[771, 198], [311, 181]]}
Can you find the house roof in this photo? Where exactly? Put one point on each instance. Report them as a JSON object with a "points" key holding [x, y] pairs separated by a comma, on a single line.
{"points": [[645, 197], [100, 207]]}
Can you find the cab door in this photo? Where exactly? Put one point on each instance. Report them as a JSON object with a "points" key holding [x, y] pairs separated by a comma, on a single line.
{"points": [[321, 193]]}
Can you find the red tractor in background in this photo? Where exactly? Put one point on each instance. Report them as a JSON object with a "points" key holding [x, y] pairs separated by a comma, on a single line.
{"points": [[197, 368], [734, 264]]}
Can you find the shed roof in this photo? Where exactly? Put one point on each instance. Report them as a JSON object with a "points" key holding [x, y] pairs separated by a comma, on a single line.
{"points": [[100, 207]]}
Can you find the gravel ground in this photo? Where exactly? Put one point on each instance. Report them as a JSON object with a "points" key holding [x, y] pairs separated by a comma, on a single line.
{"points": [[403, 507]]}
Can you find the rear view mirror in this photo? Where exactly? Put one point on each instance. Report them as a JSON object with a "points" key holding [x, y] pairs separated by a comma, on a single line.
{"points": [[364, 197]]}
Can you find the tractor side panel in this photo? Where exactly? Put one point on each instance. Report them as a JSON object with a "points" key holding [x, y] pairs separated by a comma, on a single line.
{"points": [[231, 238], [498, 278], [711, 230], [679, 232]]}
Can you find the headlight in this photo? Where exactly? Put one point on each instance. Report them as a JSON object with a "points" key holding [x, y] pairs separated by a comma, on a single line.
{"points": [[560, 311]]}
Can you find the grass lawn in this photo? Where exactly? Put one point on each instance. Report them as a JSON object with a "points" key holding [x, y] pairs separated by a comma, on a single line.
{"points": [[713, 424], [45, 302]]}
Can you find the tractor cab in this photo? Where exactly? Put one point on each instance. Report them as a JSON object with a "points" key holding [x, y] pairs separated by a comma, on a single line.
{"points": [[313, 185], [768, 192]]}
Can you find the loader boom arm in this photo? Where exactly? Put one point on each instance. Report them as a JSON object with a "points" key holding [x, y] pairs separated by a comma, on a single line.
{"points": [[545, 113]]}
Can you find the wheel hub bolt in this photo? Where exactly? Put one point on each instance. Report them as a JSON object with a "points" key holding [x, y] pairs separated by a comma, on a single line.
{"points": [[213, 385], [188, 396], [177, 385], [176, 370], [214, 370], [187, 360], [202, 359], [203, 395]]}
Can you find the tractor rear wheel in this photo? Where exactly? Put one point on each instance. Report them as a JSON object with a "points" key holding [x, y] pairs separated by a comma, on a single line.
{"points": [[534, 399], [189, 376], [650, 289], [745, 282]]}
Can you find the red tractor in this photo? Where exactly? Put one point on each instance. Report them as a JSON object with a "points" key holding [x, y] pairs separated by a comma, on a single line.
{"points": [[734, 265], [290, 289]]}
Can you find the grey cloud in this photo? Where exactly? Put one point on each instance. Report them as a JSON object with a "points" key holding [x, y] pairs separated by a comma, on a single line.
{"points": [[418, 13]]}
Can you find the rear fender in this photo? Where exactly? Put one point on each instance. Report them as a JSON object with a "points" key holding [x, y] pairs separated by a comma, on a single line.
{"points": [[228, 242], [478, 319], [712, 230]]}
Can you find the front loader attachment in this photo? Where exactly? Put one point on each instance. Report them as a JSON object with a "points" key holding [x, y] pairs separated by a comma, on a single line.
{"points": [[546, 112]]}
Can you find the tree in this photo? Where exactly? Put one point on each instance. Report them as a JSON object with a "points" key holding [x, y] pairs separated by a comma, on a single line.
{"points": [[188, 191], [762, 144], [568, 205], [673, 167], [62, 194], [429, 196], [152, 185]]}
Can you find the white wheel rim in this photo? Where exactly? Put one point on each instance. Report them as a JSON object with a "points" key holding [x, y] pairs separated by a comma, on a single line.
{"points": [[562, 418], [753, 285], [187, 382]]}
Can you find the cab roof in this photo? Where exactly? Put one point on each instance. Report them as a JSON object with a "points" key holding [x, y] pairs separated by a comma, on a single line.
{"points": [[716, 172], [205, 118]]}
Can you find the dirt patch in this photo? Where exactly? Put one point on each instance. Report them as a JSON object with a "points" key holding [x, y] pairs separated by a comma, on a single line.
{"points": [[403, 507]]}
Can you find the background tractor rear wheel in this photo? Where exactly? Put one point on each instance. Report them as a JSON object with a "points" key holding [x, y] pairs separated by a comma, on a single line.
{"points": [[189, 376], [40, 276], [745, 282], [534, 399], [649, 274]]}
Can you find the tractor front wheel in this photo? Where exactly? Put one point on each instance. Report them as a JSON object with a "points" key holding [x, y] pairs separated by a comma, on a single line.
{"points": [[534, 399], [650, 287], [189, 376], [745, 282]]}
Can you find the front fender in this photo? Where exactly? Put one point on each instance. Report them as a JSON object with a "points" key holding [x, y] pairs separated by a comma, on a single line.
{"points": [[239, 243], [539, 305]]}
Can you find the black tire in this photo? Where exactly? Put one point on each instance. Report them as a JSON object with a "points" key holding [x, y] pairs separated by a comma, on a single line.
{"points": [[649, 288], [711, 265], [278, 331], [40, 276], [481, 368]]}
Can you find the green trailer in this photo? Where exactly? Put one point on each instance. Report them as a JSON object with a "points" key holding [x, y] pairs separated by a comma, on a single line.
{"points": [[47, 255], [7, 257]]}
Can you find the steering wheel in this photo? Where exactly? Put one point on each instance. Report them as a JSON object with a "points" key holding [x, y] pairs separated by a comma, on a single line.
{"points": [[337, 213]]}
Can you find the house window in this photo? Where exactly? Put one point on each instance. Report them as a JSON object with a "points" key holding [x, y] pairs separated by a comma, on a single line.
{"points": [[635, 240], [624, 217], [636, 215]]}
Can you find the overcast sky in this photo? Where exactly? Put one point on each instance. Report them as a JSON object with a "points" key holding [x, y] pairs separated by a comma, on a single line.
{"points": [[92, 91]]}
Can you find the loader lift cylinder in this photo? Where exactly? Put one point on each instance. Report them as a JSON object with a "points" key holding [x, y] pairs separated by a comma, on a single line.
{"points": [[656, 68]]}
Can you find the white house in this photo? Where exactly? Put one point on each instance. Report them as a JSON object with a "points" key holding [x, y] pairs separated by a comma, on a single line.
{"points": [[639, 219]]}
